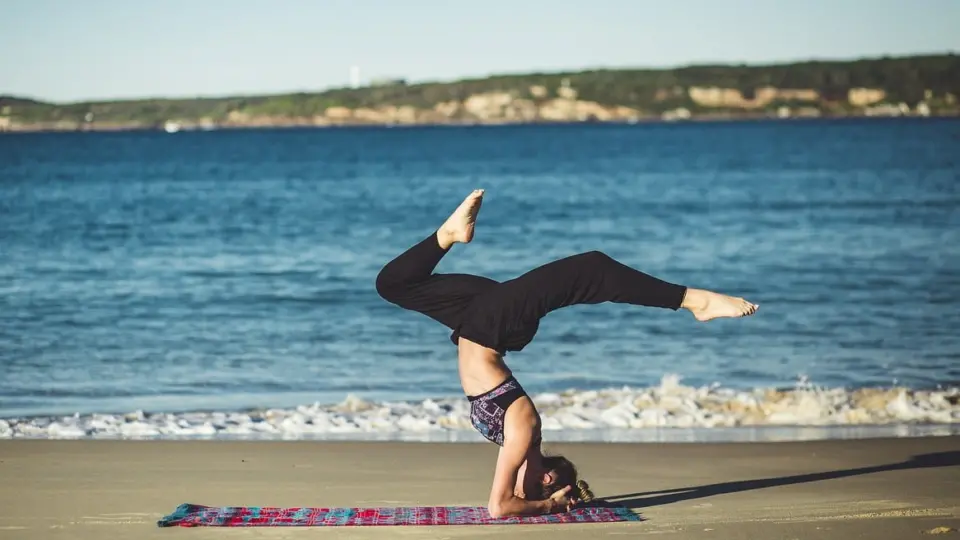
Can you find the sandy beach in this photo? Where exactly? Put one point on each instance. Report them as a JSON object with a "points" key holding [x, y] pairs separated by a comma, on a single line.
{"points": [[875, 488]]}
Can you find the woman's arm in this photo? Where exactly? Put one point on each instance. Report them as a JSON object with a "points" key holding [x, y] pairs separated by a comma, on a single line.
{"points": [[517, 441]]}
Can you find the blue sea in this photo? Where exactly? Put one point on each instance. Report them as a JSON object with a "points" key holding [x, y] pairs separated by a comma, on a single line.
{"points": [[222, 282]]}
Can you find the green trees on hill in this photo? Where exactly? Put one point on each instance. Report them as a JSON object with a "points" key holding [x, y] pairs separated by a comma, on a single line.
{"points": [[907, 79]]}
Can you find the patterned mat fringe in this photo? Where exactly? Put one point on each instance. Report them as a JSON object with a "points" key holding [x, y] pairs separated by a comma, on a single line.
{"points": [[194, 515]]}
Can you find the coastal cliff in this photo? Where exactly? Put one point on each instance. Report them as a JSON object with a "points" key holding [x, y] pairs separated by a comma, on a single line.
{"points": [[917, 86]]}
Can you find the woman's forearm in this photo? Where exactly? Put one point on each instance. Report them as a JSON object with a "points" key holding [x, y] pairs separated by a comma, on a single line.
{"points": [[515, 506]]}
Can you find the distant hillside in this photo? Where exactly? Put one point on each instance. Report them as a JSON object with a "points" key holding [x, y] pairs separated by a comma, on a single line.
{"points": [[11, 101], [920, 85]]}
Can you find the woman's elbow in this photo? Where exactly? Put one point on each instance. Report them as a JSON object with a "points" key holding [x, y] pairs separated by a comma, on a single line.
{"points": [[495, 509]]}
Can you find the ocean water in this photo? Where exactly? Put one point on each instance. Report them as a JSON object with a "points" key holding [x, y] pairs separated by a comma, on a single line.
{"points": [[222, 283]]}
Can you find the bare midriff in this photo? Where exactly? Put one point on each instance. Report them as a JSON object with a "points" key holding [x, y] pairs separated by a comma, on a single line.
{"points": [[481, 368]]}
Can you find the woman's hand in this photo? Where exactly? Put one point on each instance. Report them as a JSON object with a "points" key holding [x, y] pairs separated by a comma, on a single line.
{"points": [[559, 502]]}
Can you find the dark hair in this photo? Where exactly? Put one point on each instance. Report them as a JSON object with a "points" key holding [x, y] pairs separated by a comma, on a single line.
{"points": [[566, 475]]}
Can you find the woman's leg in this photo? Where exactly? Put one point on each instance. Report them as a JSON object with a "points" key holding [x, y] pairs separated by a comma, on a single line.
{"points": [[594, 277], [409, 282], [508, 316]]}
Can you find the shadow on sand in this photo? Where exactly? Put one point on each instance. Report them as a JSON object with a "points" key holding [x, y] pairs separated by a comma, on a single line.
{"points": [[656, 498]]}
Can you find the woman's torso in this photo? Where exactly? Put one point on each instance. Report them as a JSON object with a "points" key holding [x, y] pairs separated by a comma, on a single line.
{"points": [[480, 368], [496, 397]]}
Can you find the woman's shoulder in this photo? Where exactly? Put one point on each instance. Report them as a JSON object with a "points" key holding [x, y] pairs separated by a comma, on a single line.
{"points": [[522, 419]]}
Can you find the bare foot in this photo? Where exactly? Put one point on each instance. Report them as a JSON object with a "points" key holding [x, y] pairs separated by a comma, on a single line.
{"points": [[706, 305], [459, 226]]}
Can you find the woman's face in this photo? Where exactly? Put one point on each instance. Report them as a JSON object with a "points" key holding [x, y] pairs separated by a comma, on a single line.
{"points": [[531, 481]]}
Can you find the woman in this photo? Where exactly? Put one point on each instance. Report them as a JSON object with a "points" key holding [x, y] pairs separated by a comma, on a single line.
{"points": [[490, 318]]}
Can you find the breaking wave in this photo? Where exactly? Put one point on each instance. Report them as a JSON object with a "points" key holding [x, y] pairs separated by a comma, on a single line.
{"points": [[670, 411]]}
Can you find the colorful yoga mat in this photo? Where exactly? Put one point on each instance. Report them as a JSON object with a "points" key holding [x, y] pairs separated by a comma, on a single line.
{"points": [[195, 515]]}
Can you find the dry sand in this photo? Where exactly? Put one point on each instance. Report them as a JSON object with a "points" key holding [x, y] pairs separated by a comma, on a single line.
{"points": [[880, 488]]}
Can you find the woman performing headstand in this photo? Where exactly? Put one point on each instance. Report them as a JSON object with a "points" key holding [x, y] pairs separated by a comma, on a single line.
{"points": [[489, 318]]}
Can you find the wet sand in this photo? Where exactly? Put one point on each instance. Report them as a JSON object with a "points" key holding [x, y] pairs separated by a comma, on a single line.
{"points": [[875, 488]]}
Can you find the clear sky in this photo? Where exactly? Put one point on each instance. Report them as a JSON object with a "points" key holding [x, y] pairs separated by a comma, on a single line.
{"points": [[65, 50]]}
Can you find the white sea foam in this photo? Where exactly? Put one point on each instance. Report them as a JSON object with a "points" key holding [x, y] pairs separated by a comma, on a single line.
{"points": [[689, 413]]}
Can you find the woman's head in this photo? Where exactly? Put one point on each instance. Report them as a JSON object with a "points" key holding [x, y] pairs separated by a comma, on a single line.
{"points": [[561, 472]]}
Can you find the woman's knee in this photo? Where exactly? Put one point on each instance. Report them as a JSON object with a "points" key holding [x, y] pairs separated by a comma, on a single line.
{"points": [[596, 257], [388, 287]]}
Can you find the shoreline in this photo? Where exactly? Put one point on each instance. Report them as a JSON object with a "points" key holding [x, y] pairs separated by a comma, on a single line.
{"points": [[668, 435], [667, 412], [883, 488], [305, 124]]}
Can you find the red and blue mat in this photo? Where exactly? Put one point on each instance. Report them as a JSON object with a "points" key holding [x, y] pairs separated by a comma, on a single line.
{"points": [[195, 515]]}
